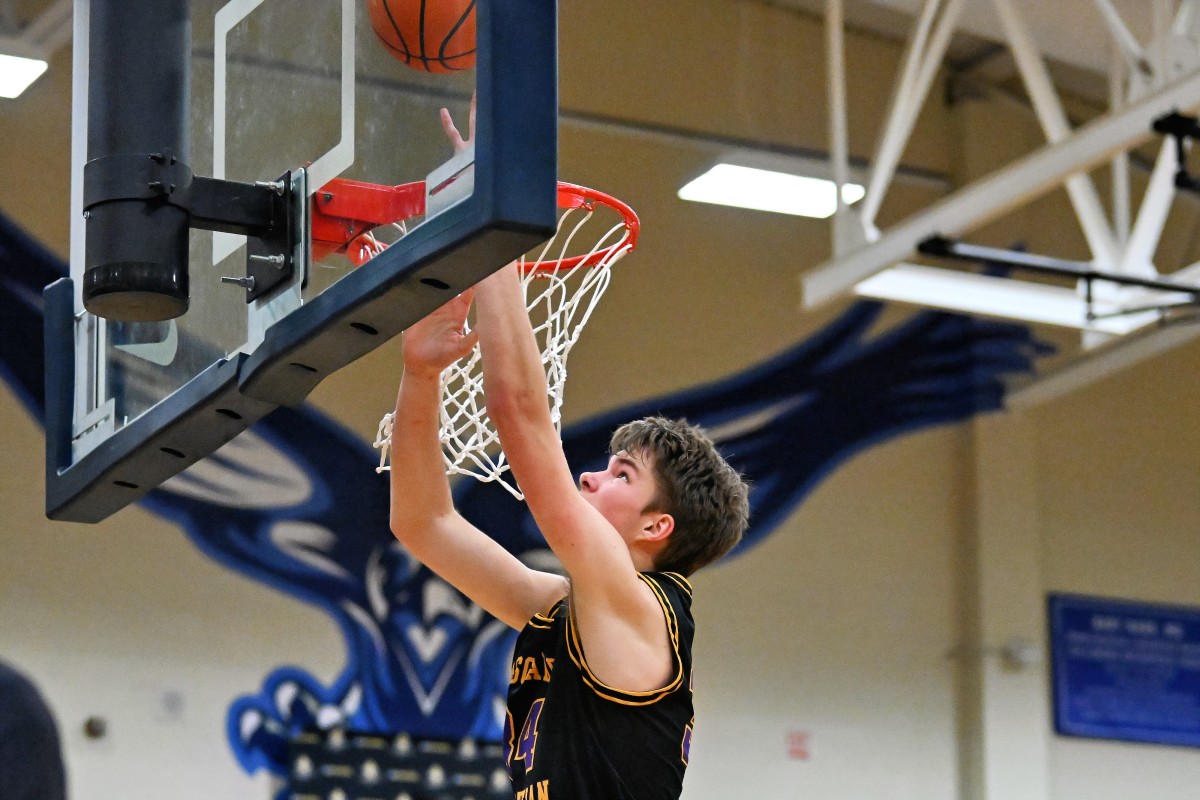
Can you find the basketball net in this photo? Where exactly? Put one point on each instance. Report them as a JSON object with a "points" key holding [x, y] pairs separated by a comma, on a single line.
{"points": [[561, 287]]}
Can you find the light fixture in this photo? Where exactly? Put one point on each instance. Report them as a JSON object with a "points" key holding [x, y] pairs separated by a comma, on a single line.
{"points": [[18, 72], [769, 190], [994, 297]]}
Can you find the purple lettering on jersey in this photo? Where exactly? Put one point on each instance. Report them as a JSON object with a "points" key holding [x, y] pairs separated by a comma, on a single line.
{"points": [[528, 743], [509, 733]]}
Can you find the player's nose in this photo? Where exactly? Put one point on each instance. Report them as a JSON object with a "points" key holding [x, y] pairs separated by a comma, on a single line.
{"points": [[587, 481]]}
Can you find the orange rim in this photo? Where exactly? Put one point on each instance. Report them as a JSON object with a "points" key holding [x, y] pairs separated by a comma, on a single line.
{"points": [[343, 211], [570, 196]]}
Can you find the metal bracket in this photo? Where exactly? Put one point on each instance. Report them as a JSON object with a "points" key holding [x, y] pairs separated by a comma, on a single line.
{"points": [[269, 256], [137, 176], [1180, 127], [265, 212]]}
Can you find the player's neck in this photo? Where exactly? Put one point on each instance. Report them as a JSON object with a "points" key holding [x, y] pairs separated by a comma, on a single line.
{"points": [[642, 561]]}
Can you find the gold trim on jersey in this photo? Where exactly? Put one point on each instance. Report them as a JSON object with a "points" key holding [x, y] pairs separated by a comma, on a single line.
{"points": [[544, 621], [681, 581], [603, 690], [539, 622]]}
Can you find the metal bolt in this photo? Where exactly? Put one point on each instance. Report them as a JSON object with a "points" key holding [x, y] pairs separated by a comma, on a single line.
{"points": [[275, 186], [247, 282], [276, 261]]}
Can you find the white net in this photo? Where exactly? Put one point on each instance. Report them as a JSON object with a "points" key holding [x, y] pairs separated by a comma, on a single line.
{"points": [[562, 286]]}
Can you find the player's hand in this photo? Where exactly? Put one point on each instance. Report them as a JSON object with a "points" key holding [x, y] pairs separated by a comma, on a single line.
{"points": [[441, 338], [452, 132]]}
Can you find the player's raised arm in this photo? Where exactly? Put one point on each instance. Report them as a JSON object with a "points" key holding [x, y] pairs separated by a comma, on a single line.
{"points": [[423, 517], [604, 535]]}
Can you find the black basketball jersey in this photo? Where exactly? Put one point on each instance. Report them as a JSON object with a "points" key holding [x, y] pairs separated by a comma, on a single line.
{"points": [[571, 737]]}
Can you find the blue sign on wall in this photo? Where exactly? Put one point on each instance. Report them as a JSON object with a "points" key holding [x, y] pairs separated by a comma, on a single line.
{"points": [[1125, 670]]}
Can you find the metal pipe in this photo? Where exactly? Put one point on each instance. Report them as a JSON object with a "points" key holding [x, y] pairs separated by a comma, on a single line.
{"points": [[1083, 270], [839, 148], [136, 261]]}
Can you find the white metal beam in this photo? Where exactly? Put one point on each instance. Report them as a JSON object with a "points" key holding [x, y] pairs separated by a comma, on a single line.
{"points": [[1127, 44], [920, 68], [1138, 258], [1186, 17], [1119, 169], [839, 138], [1053, 119]]}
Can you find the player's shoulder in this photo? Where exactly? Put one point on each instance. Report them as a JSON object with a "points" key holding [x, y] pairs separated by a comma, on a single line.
{"points": [[672, 590]]}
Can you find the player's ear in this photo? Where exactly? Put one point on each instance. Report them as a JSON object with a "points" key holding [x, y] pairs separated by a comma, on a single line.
{"points": [[659, 526]]}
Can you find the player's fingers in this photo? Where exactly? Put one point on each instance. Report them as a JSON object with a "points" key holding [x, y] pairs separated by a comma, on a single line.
{"points": [[471, 124], [451, 131], [458, 308]]}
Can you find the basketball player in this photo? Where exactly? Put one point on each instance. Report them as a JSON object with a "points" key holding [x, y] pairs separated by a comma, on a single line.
{"points": [[600, 696]]}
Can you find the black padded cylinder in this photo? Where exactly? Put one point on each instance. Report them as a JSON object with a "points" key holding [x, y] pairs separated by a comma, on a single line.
{"points": [[136, 266]]}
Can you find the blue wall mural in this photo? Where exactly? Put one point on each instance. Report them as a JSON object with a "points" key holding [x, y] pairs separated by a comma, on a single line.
{"points": [[275, 504]]}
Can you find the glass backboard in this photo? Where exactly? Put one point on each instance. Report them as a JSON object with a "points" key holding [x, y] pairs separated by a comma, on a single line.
{"points": [[298, 104]]}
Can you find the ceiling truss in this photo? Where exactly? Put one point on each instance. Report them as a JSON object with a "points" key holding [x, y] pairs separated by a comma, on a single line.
{"points": [[1149, 82]]}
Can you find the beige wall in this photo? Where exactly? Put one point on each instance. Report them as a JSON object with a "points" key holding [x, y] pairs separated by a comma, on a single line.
{"points": [[867, 622], [1119, 515]]}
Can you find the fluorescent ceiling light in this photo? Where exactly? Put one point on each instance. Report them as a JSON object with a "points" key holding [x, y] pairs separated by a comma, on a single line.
{"points": [[767, 190], [17, 73], [994, 297]]}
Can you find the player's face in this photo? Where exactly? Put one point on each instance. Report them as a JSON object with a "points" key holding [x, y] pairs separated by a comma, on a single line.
{"points": [[622, 492]]}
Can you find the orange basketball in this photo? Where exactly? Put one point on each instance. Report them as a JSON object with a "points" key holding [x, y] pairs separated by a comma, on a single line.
{"points": [[427, 35]]}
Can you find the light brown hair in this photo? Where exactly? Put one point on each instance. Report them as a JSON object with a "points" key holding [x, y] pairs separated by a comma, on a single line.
{"points": [[707, 498]]}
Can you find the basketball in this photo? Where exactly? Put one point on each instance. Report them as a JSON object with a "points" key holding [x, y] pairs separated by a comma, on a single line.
{"points": [[427, 35]]}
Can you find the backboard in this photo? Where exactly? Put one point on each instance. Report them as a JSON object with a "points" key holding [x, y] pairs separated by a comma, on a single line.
{"points": [[293, 112]]}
